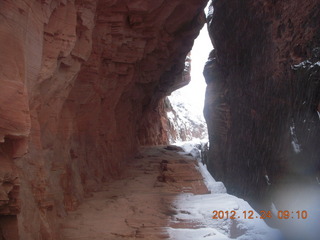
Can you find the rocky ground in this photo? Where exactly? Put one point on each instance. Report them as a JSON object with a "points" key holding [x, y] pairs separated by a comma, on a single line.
{"points": [[165, 193], [141, 203]]}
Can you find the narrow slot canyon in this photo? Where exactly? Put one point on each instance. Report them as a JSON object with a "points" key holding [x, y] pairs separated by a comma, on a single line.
{"points": [[93, 130]]}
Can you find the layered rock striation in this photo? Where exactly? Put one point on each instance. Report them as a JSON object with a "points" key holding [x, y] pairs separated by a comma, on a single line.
{"points": [[262, 95], [81, 83]]}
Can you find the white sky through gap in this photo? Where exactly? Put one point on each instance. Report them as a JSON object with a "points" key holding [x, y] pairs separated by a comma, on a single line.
{"points": [[192, 95]]}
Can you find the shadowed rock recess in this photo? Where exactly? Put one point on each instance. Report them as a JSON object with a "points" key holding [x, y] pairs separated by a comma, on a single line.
{"points": [[262, 96]]}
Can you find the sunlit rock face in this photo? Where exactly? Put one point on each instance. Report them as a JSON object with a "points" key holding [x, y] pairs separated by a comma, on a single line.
{"points": [[81, 83], [183, 124], [259, 107]]}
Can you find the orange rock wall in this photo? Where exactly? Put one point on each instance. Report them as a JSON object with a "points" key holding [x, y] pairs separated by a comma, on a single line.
{"points": [[79, 80]]}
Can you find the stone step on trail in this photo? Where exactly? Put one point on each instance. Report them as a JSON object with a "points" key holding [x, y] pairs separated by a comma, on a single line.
{"points": [[140, 205]]}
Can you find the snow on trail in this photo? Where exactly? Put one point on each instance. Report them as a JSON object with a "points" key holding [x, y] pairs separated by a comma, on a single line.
{"points": [[164, 193], [199, 209]]}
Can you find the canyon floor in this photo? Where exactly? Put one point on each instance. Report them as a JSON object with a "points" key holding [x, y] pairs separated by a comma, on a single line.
{"points": [[161, 195]]}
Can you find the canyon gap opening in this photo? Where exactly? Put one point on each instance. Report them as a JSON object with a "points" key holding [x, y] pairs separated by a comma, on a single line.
{"points": [[185, 110]]}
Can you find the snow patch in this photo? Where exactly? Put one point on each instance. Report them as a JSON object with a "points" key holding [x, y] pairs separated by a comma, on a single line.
{"points": [[267, 179], [198, 209], [303, 64], [306, 65], [295, 143], [200, 233]]}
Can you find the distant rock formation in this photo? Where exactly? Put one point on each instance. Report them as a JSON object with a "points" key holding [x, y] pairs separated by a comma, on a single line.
{"points": [[181, 122], [183, 125]]}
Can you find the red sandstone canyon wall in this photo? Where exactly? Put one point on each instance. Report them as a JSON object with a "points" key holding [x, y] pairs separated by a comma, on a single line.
{"points": [[80, 87]]}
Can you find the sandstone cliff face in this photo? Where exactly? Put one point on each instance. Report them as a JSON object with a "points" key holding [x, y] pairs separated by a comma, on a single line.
{"points": [[254, 95], [81, 83]]}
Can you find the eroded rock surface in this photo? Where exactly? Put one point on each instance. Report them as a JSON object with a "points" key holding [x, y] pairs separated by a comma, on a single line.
{"points": [[141, 204], [256, 99], [81, 83]]}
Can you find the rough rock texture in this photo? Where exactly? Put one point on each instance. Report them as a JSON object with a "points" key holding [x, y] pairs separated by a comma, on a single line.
{"points": [[256, 100], [182, 124], [81, 82], [140, 205]]}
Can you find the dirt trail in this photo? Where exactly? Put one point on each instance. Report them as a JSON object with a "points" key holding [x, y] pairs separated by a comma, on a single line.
{"points": [[140, 205]]}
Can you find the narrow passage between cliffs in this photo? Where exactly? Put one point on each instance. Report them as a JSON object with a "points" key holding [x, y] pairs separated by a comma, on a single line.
{"points": [[166, 192]]}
